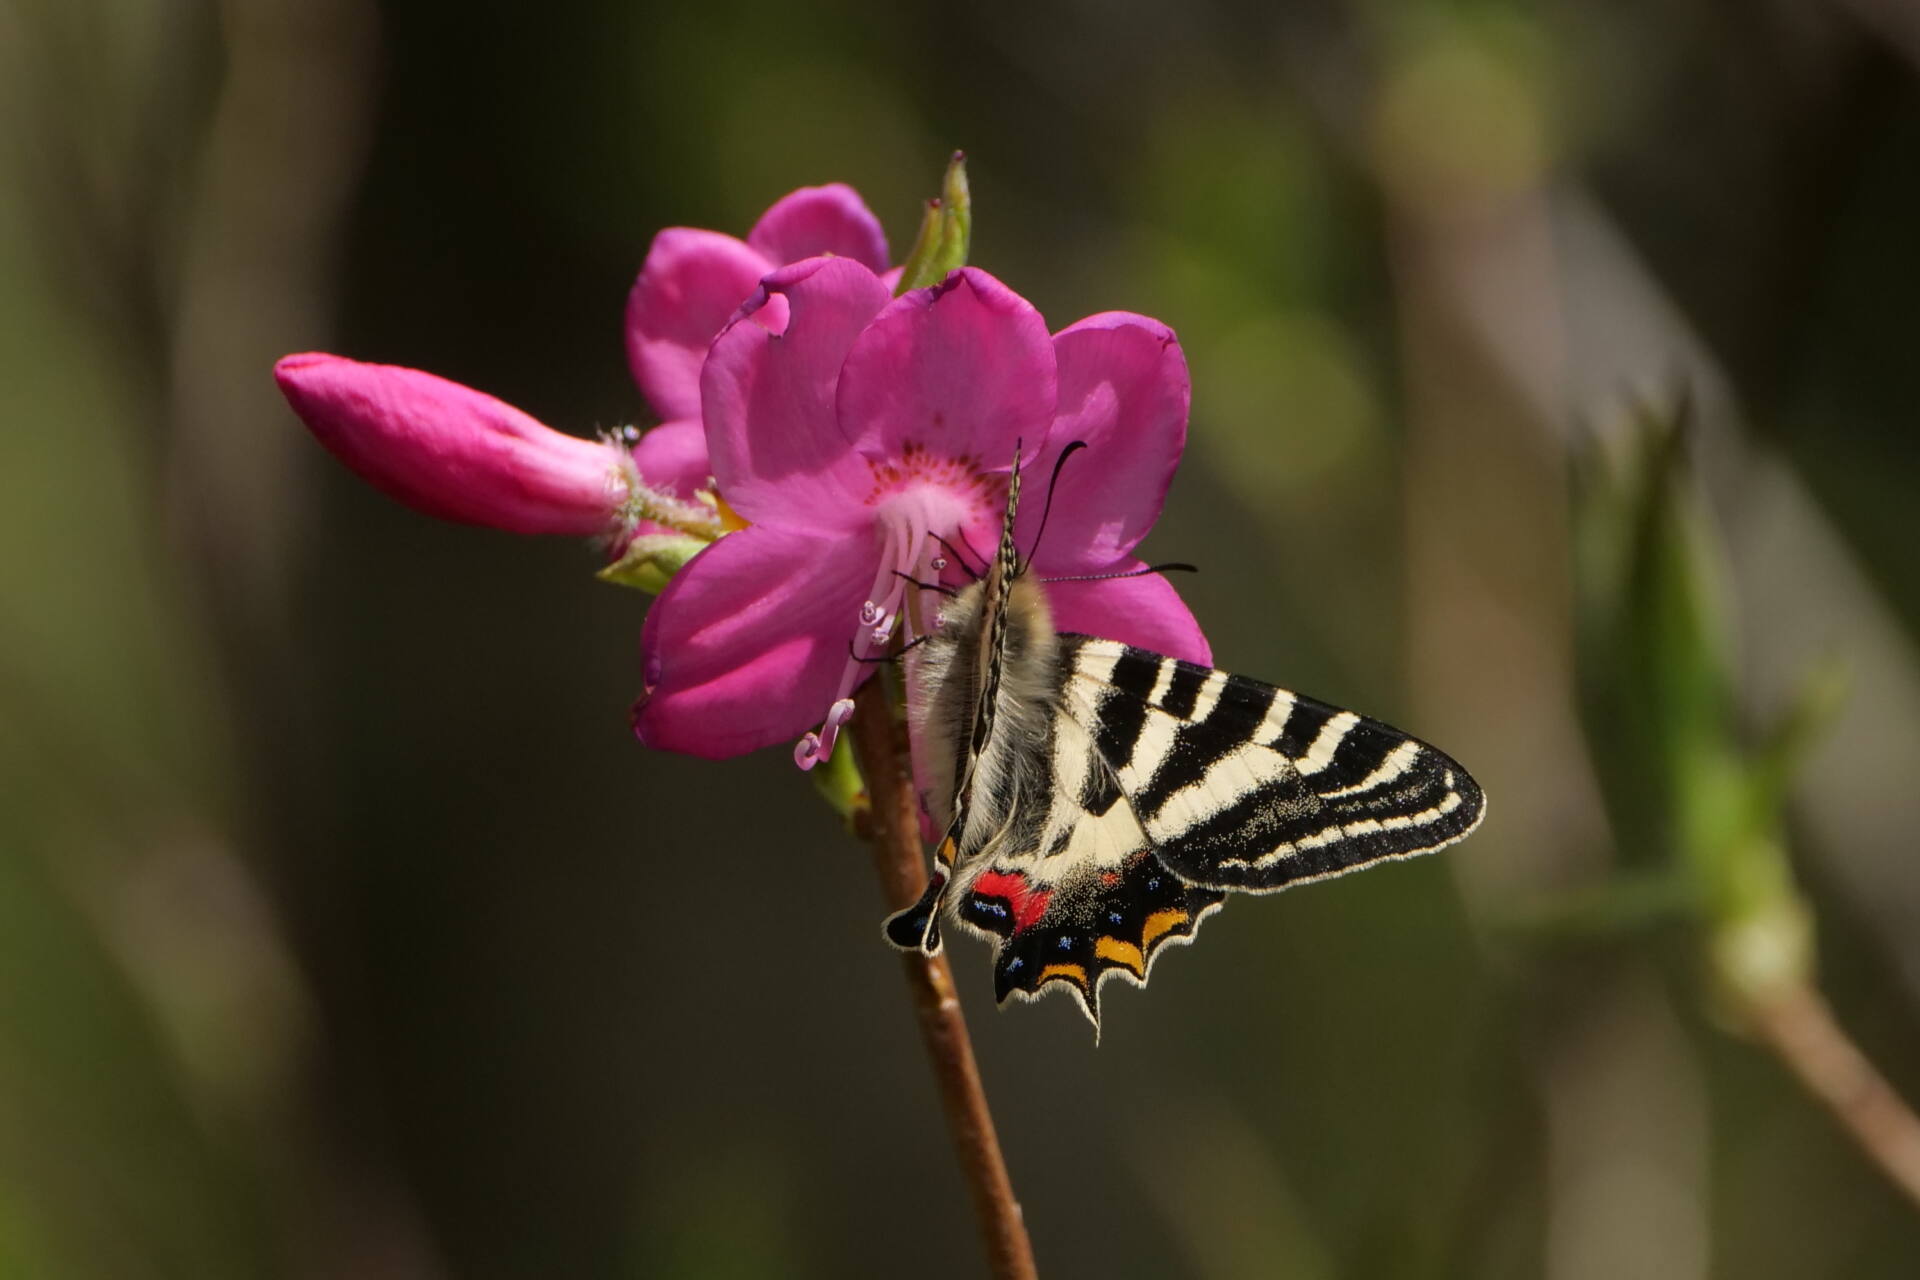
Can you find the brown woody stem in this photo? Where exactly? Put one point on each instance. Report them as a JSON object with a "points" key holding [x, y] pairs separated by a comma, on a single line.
{"points": [[892, 827], [1798, 1025]]}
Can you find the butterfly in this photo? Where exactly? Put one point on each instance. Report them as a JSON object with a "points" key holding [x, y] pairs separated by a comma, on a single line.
{"points": [[1100, 800]]}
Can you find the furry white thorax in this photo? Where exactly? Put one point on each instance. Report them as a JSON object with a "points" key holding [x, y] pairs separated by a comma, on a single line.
{"points": [[1010, 769]]}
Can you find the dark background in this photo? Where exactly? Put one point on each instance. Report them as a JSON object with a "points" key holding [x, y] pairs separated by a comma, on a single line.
{"points": [[344, 930]]}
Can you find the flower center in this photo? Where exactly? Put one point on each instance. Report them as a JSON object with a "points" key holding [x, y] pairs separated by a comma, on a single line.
{"points": [[919, 499], [961, 478]]}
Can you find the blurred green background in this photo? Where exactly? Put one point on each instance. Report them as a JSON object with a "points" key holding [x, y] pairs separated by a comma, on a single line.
{"points": [[344, 931]]}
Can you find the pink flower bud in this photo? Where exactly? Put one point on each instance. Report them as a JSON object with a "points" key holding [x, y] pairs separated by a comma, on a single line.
{"points": [[454, 452]]}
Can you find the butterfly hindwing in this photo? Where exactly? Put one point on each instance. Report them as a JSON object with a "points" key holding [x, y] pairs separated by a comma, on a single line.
{"points": [[1083, 926], [1078, 895], [1240, 785]]}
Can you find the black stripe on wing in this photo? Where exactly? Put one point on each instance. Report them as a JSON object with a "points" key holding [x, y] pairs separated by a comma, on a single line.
{"points": [[1198, 747], [1118, 730], [1244, 786]]}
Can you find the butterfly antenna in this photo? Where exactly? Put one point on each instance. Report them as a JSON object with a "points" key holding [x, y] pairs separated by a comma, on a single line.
{"points": [[914, 643], [941, 587], [1052, 484], [1172, 566], [970, 547]]}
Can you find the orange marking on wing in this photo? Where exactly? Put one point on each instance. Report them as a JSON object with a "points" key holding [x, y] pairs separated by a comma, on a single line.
{"points": [[1071, 972], [945, 852], [1121, 953], [1159, 924]]}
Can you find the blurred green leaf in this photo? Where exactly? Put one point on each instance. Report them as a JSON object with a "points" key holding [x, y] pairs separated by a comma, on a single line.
{"points": [[1627, 902], [1655, 691], [1685, 793]]}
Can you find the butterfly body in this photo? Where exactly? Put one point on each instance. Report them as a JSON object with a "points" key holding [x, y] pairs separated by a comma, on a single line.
{"points": [[1100, 800]]}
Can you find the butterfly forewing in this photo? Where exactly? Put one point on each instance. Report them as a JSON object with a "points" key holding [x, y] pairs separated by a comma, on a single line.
{"points": [[1240, 785]]}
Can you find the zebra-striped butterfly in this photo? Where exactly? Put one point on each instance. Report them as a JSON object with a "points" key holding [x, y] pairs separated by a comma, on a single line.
{"points": [[1099, 800]]}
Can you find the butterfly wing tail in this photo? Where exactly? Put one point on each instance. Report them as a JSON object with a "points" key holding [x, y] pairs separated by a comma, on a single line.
{"points": [[917, 928]]}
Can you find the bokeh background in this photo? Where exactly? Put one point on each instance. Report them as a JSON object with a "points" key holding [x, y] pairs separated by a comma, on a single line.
{"points": [[344, 931]]}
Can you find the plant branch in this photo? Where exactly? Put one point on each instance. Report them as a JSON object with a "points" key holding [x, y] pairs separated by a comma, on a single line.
{"points": [[1797, 1023], [892, 827]]}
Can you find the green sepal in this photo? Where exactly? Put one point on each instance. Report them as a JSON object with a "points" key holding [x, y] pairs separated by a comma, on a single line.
{"points": [[650, 561], [946, 232], [841, 785]]}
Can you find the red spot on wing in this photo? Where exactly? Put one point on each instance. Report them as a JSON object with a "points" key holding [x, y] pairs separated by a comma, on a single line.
{"points": [[1028, 903]]}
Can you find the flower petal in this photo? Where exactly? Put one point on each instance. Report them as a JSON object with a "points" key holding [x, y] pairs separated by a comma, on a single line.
{"points": [[746, 646], [961, 370], [1144, 611], [451, 451], [1123, 390], [673, 456], [778, 452], [816, 220], [690, 285]]}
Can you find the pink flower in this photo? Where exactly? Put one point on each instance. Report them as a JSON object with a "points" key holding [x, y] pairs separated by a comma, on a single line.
{"points": [[854, 433], [460, 454], [693, 281]]}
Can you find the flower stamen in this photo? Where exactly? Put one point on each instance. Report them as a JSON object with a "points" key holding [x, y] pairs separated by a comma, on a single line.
{"points": [[813, 748], [910, 529]]}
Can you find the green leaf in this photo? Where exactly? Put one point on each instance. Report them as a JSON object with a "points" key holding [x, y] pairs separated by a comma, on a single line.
{"points": [[1656, 685]]}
